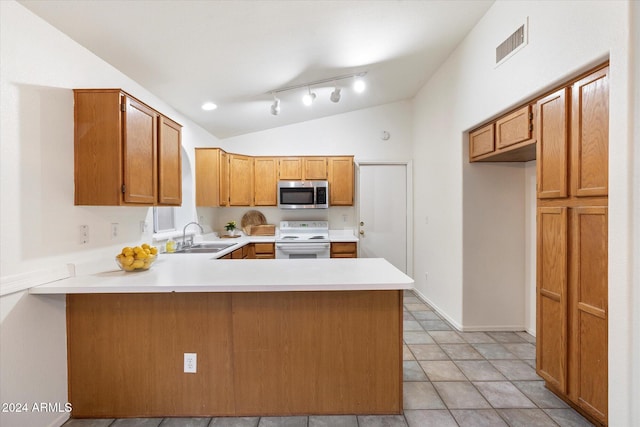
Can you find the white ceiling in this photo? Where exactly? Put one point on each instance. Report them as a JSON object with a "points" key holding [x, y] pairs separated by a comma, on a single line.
{"points": [[235, 53]]}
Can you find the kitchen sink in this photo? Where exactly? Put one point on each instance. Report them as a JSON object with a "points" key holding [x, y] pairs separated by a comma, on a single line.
{"points": [[205, 248]]}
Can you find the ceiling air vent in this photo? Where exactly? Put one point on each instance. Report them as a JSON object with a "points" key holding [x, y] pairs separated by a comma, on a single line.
{"points": [[512, 44]]}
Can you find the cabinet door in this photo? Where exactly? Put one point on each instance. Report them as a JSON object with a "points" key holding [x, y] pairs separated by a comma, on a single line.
{"points": [[98, 147], [590, 135], [340, 181], [481, 141], [551, 290], [224, 179], [589, 309], [514, 128], [315, 168], [169, 162], [344, 250], [265, 181], [553, 145], [264, 250], [240, 180], [290, 168], [139, 153], [207, 176]]}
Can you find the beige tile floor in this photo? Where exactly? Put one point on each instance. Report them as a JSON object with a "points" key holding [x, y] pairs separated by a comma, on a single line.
{"points": [[451, 378]]}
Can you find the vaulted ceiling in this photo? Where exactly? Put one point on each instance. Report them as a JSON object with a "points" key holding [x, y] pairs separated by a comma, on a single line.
{"points": [[237, 53]]}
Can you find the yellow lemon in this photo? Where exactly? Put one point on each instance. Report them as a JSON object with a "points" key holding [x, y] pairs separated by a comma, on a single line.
{"points": [[145, 246], [154, 250], [138, 263], [128, 267], [128, 260]]}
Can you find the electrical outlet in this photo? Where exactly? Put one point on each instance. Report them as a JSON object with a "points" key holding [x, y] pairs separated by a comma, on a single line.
{"points": [[84, 234], [114, 230], [426, 276], [190, 363]]}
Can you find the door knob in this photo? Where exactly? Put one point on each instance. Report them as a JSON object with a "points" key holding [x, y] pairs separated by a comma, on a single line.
{"points": [[362, 232], [361, 223]]}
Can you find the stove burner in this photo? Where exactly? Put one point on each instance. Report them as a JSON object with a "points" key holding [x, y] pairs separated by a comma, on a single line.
{"points": [[317, 237], [290, 237]]}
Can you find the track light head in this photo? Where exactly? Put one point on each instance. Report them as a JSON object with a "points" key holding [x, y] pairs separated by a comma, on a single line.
{"points": [[335, 95], [275, 107], [308, 98], [359, 85]]}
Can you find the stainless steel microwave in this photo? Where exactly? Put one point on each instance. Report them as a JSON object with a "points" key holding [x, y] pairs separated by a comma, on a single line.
{"points": [[303, 194]]}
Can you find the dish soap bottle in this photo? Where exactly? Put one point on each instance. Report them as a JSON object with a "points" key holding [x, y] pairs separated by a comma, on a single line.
{"points": [[170, 246]]}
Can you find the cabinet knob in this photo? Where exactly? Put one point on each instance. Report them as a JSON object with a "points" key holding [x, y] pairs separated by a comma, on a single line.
{"points": [[362, 232]]}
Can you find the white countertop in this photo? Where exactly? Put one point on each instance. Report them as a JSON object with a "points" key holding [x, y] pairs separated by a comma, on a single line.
{"points": [[204, 273]]}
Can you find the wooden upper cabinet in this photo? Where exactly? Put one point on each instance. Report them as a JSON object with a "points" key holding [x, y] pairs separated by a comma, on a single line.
{"points": [[302, 168], [481, 141], [240, 180], [290, 168], [211, 166], [514, 128], [265, 186], [224, 179], [508, 139], [139, 153], [169, 162], [552, 114], [314, 168], [340, 181], [590, 135], [116, 143]]}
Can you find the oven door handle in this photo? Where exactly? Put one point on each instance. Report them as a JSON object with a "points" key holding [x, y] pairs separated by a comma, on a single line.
{"points": [[302, 247]]}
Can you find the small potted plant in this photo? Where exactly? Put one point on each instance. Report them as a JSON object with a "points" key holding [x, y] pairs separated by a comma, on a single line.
{"points": [[231, 228]]}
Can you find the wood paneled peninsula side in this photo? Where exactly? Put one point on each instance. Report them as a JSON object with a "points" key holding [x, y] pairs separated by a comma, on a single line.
{"points": [[272, 337]]}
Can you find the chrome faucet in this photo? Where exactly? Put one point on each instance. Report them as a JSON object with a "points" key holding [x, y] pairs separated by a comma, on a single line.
{"points": [[184, 234]]}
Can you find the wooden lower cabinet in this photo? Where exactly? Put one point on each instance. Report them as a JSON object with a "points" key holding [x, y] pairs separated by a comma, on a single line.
{"points": [[262, 250], [258, 353], [572, 305], [588, 302], [344, 250], [552, 252]]}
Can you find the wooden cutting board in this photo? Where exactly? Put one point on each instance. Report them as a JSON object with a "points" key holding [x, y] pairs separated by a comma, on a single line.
{"points": [[250, 218]]}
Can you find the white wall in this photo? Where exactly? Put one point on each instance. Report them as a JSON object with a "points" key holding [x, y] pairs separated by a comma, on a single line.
{"points": [[564, 38], [38, 221]]}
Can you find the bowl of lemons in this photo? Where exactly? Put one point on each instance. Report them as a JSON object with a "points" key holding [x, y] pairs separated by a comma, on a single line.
{"points": [[138, 258]]}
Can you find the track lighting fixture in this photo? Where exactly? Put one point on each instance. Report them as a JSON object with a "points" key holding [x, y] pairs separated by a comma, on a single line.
{"points": [[335, 95], [275, 107], [308, 98]]}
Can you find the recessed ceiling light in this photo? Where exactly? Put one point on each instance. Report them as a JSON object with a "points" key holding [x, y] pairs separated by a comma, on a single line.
{"points": [[209, 106]]}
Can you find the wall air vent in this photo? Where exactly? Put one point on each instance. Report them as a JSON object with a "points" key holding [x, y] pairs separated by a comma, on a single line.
{"points": [[512, 44]]}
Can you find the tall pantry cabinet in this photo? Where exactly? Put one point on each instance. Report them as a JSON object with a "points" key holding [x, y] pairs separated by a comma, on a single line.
{"points": [[572, 190]]}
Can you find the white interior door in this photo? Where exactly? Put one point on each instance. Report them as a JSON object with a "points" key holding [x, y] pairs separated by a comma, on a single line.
{"points": [[383, 209]]}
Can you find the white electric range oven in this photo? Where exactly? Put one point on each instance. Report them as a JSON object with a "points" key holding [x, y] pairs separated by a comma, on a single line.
{"points": [[303, 239]]}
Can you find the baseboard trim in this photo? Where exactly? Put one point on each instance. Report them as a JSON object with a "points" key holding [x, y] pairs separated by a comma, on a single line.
{"points": [[462, 328]]}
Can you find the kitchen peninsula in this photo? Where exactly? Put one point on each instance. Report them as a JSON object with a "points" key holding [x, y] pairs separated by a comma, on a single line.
{"points": [[272, 337]]}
